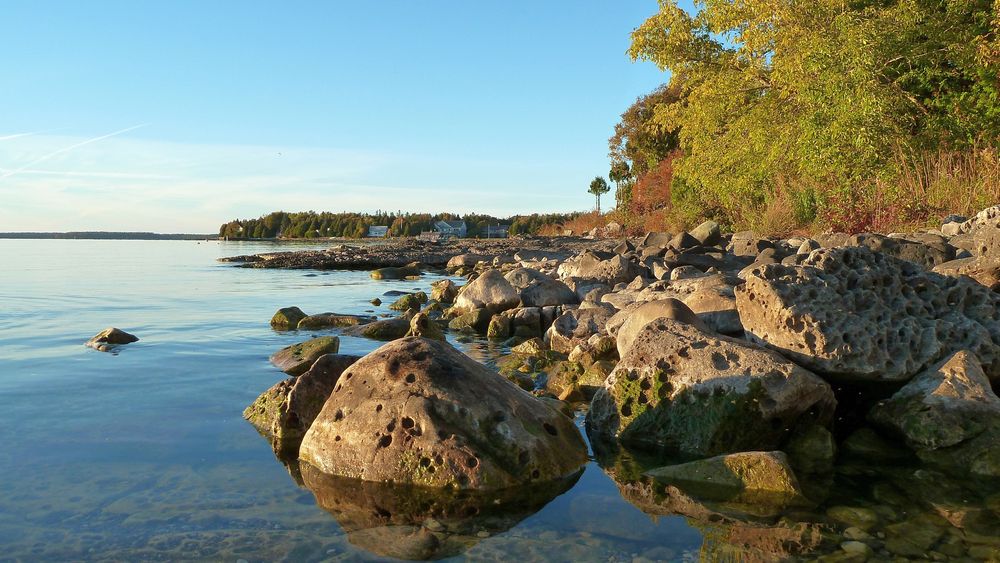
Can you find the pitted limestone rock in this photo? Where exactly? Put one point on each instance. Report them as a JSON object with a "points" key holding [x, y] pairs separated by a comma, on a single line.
{"points": [[575, 326], [417, 411], [853, 314], [681, 389]]}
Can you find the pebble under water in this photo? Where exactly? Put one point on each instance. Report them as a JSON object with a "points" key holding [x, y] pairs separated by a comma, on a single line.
{"points": [[144, 455]]}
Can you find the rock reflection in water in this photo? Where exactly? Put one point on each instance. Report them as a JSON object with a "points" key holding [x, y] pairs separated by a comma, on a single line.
{"points": [[420, 523]]}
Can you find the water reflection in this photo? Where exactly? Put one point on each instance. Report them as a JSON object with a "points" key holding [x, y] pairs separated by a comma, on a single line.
{"points": [[418, 523]]}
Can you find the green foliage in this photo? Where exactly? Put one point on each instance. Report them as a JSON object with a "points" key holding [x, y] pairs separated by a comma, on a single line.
{"points": [[310, 224], [822, 93], [598, 187]]}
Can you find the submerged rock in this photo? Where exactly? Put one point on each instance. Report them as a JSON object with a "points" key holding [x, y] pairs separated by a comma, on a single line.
{"points": [[110, 338], [853, 314], [284, 412], [418, 411], [385, 329], [745, 477], [287, 318], [393, 273], [681, 389], [409, 301], [297, 358]]}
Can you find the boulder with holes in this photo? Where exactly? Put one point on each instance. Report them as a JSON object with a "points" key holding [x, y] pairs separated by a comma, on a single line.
{"points": [[417, 411], [680, 389], [856, 315], [575, 326]]}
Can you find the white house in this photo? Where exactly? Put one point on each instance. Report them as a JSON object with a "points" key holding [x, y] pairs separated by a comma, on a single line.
{"points": [[451, 228]]}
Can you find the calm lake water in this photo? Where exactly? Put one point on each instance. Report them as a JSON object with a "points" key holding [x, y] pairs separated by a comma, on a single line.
{"points": [[144, 455]]}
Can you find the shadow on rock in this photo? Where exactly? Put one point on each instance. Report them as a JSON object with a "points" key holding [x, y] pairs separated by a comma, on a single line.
{"points": [[419, 523]]}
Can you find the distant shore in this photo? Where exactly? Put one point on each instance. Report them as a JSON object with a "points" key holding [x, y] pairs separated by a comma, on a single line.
{"points": [[107, 235]]}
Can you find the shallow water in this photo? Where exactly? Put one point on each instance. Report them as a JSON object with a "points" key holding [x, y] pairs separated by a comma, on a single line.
{"points": [[144, 455]]}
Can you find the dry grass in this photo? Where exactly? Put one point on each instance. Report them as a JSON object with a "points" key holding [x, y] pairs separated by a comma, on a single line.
{"points": [[578, 226]]}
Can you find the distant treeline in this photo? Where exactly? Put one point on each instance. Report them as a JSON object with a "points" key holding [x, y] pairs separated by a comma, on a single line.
{"points": [[310, 224], [104, 235]]}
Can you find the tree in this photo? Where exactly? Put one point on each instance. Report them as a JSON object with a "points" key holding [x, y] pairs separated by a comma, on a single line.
{"points": [[598, 187], [621, 175], [822, 94]]}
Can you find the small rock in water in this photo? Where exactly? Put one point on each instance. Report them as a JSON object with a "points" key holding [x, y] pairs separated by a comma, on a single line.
{"points": [[110, 338], [376, 301]]}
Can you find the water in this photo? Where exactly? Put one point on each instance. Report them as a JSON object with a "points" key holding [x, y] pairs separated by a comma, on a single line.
{"points": [[144, 455]]}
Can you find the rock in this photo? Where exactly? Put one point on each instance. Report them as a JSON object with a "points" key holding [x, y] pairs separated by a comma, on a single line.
{"points": [[683, 241], [109, 339], [852, 314], [297, 358], [681, 389], [284, 412], [393, 273], [866, 445], [807, 247], [409, 301], [422, 325], [745, 478], [376, 302], [444, 291], [331, 320], [853, 516], [747, 243], [716, 308], [811, 449], [489, 291], [925, 255], [626, 324], [686, 273], [942, 406], [386, 329], [466, 261], [983, 269], [499, 328], [476, 321], [417, 411], [913, 537], [287, 318], [547, 292], [526, 321], [611, 270], [856, 549], [574, 327], [707, 233], [656, 240], [522, 278]]}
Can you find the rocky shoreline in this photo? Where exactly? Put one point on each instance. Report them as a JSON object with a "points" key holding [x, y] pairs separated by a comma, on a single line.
{"points": [[772, 367]]}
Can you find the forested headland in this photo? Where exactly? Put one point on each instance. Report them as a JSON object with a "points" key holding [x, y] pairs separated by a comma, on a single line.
{"points": [[781, 116], [310, 224]]}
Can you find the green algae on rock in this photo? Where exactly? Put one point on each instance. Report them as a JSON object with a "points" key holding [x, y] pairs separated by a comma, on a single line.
{"points": [[409, 301], [297, 358], [287, 318]]}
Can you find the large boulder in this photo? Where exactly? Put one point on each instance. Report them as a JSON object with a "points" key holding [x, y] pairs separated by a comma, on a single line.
{"points": [[297, 358], [330, 320], [284, 412], [385, 329], [547, 292], [684, 390], [575, 326], [716, 307], [444, 291], [983, 269], [626, 324], [853, 314], [610, 270], [490, 291], [916, 251], [418, 411], [948, 414]]}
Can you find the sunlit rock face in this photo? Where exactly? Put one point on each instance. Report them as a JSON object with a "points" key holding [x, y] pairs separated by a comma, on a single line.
{"points": [[420, 523], [418, 411], [856, 315]]}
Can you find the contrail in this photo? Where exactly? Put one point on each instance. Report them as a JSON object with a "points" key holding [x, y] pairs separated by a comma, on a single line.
{"points": [[16, 135], [10, 173]]}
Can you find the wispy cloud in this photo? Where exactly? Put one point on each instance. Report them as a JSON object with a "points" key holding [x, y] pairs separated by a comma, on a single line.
{"points": [[52, 154]]}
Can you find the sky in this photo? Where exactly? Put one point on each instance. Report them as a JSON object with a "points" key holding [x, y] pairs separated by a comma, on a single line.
{"points": [[179, 116]]}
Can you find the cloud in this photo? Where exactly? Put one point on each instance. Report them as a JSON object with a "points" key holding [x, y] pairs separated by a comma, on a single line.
{"points": [[127, 183]]}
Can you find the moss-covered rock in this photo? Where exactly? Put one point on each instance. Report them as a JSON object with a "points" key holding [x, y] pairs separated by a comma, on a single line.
{"points": [[422, 325], [531, 347], [297, 358], [287, 318], [684, 390], [418, 411], [444, 291], [811, 449], [499, 328], [745, 478], [409, 301], [331, 320], [411, 270], [476, 321], [385, 329]]}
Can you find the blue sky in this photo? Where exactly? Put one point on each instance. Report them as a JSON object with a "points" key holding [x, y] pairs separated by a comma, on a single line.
{"points": [[242, 108]]}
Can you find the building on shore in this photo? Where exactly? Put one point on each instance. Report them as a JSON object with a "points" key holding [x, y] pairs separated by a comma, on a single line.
{"points": [[451, 228], [377, 231], [496, 231]]}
